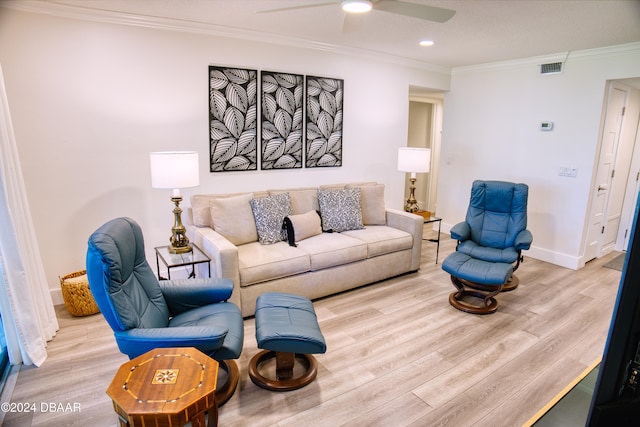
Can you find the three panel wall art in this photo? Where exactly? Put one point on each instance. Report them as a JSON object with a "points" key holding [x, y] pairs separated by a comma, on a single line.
{"points": [[299, 121]]}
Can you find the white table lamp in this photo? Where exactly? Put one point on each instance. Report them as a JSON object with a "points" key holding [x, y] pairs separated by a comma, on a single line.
{"points": [[413, 160], [175, 170]]}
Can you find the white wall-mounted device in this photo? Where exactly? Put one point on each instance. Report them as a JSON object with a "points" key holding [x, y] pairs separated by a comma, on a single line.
{"points": [[547, 126]]}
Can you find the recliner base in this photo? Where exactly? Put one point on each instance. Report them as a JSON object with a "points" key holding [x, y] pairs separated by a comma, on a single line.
{"points": [[224, 392], [511, 284]]}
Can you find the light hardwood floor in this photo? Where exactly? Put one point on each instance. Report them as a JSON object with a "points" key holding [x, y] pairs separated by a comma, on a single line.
{"points": [[398, 354]]}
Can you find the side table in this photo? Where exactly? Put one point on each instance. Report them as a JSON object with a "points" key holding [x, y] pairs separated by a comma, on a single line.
{"points": [[196, 256], [428, 219], [166, 387]]}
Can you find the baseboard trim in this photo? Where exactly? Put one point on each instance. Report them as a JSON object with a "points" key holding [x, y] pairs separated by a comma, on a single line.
{"points": [[563, 260]]}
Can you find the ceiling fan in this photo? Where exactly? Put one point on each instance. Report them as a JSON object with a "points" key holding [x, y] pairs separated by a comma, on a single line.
{"points": [[420, 11]]}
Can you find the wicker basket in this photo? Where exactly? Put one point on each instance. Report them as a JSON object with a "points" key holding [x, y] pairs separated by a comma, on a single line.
{"points": [[76, 294]]}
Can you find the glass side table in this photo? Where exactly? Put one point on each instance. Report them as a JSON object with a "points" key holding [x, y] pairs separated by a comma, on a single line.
{"points": [[196, 256], [428, 219]]}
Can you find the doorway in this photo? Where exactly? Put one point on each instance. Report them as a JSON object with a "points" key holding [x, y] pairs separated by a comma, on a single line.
{"points": [[611, 201], [424, 131]]}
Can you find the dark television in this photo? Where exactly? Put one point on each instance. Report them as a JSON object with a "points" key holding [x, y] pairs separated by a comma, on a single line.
{"points": [[616, 398]]}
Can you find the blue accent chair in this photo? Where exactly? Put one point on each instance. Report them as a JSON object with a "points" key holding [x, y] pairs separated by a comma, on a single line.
{"points": [[490, 244], [145, 313]]}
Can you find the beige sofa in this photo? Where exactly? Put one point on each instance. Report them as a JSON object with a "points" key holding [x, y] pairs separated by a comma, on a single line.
{"points": [[234, 230]]}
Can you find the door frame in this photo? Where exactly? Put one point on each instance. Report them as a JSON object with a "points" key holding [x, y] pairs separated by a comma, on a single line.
{"points": [[633, 181], [630, 119], [435, 99]]}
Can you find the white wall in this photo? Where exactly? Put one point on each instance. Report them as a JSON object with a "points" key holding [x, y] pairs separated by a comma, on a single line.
{"points": [[491, 120], [90, 100]]}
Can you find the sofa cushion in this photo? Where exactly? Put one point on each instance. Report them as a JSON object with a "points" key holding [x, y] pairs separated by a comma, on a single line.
{"points": [[201, 206], [331, 249], [302, 226], [340, 209], [382, 240], [259, 263], [269, 212], [372, 203], [201, 210], [345, 185], [232, 217], [302, 199]]}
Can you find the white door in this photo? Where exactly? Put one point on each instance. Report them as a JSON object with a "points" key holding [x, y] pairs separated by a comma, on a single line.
{"points": [[631, 196], [602, 227]]}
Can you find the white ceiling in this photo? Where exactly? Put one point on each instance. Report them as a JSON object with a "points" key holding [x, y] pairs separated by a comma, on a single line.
{"points": [[482, 31]]}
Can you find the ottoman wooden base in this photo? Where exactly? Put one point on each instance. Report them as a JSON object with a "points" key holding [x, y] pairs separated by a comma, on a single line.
{"points": [[285, 362], [475, 280], [488, 305], [286, 328]]}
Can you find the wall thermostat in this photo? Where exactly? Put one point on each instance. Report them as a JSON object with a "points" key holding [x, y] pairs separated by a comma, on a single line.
{"points": [[546, 125]]}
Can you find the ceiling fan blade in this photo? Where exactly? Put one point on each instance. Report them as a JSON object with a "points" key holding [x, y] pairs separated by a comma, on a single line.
{"points": [[304, 6], [353, 22], [420, 11]]}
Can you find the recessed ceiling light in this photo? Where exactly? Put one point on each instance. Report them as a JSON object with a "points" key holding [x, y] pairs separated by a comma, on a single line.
{"points": [[356, 6], [426, 43]]}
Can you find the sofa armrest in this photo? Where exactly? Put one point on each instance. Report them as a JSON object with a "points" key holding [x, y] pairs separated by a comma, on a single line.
{"points": [[412, 224], [223, 254]]}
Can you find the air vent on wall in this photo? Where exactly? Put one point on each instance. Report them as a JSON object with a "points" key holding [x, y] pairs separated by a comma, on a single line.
{"points": [[551, 68]]}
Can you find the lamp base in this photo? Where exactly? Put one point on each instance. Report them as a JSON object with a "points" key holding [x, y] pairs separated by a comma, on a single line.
{"points": [[180, 249], [411, 205], [179, 240]]}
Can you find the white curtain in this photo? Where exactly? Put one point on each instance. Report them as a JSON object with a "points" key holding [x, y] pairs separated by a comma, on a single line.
{"points": [[28, 316]]}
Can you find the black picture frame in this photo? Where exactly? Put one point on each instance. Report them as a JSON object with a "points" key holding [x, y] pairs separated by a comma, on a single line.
{"points": [[324, 120], [233, 114], [282, 114]]}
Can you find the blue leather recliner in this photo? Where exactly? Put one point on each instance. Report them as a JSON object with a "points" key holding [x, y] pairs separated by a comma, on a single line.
{"points": [[490, 242], [145, 313]]}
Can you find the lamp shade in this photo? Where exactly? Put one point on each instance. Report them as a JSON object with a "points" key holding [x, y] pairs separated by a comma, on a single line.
{"points": [[416, 160], [174, 169]]}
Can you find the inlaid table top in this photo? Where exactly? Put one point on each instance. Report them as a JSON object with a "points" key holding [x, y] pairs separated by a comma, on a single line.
{"points": [[166, 386]]}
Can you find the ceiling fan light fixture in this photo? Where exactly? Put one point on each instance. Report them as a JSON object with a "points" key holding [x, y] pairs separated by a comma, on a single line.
{"points": [[356, 6]]}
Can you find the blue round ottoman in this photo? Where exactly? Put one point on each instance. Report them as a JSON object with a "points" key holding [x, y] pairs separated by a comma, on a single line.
{"points": [[286, 328]]}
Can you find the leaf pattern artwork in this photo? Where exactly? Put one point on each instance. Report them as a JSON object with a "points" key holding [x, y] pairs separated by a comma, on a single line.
{"points": [[233, 111], [282, 120], [324, 122]]}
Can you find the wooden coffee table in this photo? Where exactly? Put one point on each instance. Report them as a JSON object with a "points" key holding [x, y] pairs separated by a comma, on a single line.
{"points": [[166, 387]]}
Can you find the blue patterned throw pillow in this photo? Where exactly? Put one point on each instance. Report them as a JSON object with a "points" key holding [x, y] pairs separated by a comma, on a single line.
{"points": [[340, 209]]}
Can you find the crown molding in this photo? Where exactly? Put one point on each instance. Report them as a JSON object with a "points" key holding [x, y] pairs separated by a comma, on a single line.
{"points": [[194, 27], [622, 49]]}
